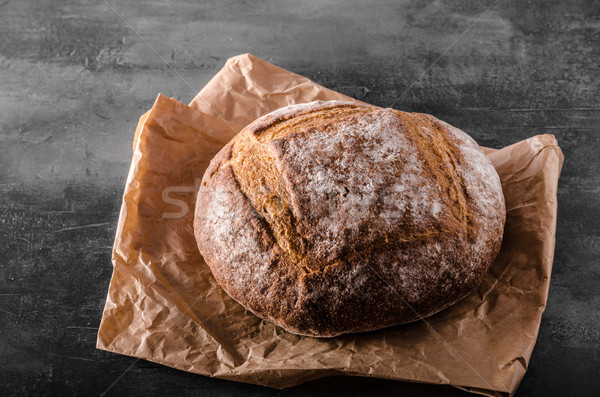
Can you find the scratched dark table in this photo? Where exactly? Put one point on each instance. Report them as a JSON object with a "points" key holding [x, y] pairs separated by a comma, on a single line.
{"points": [[75, 76]]}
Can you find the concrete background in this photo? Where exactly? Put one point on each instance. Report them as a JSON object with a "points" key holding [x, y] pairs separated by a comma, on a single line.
{"points": [[75, 76]]}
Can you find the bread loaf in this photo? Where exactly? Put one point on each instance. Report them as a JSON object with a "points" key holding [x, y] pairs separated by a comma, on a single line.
{"points": [[335, 217]]}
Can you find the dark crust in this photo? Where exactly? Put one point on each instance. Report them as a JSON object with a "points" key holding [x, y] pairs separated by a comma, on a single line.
{"points": [[381, 274], [283, 114]]}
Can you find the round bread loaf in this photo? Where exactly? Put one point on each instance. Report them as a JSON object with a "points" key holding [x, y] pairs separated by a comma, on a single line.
{"points": [[335, 217]]}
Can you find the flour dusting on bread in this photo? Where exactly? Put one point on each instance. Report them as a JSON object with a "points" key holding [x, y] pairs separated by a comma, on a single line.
{"points": [[334, 217]]}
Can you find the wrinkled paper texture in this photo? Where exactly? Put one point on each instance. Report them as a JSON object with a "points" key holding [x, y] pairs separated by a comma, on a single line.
{"points": [[164, 305]]}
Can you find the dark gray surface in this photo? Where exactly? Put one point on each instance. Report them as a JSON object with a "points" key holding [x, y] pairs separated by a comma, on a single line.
{"points": [[74, 78]]}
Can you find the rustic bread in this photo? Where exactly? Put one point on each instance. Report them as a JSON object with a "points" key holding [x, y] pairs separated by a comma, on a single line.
{"points": [[335, 217]]}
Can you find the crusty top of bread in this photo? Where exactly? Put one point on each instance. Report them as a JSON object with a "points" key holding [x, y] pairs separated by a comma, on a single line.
{"points": [[335, 217]]}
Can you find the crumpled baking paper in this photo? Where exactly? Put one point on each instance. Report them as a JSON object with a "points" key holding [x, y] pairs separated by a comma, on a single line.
{"points": [[164, 305]]}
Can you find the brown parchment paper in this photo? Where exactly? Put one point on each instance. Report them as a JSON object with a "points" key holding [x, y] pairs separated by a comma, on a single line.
{"points": [[163, 304]]}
